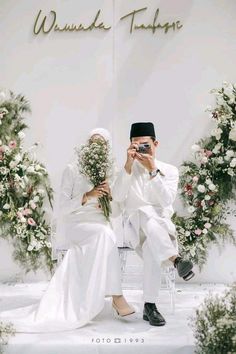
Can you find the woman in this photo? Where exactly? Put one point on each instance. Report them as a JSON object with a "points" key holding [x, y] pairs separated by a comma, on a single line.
{"points": [[90, 269]]}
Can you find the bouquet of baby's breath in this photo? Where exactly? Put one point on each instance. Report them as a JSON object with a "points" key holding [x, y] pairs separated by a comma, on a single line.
{"points": [[215, 324], [95, 163]]}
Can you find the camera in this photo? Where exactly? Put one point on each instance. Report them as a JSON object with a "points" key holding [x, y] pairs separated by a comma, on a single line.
{"points": [[143, 148]]}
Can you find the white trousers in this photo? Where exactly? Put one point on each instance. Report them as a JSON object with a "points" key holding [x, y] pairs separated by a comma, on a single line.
{"points": [[154, 248]]}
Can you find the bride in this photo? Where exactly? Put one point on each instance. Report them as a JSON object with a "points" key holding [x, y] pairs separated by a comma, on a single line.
{"points": [[90, 269]]}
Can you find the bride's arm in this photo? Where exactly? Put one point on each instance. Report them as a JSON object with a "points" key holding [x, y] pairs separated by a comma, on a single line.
{"points": [[69, 201]]}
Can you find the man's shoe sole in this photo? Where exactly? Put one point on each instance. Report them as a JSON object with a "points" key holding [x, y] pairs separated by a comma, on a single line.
{"points": [[145, 318], [189, 276]]}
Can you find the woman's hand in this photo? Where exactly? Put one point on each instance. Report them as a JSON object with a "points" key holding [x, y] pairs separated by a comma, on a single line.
{"points": [[97, 192]]}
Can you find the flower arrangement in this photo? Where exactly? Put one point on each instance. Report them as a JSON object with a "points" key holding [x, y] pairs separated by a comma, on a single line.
{"points": [[6, 330], [24, 186], [214, 324], [95, 163], [207, 183]]}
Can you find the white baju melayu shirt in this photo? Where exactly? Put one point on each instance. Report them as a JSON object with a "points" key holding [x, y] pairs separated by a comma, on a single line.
{"points": [[154, 197]]}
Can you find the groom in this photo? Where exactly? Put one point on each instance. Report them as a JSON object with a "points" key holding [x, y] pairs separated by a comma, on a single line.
{"points": [[147, 188]]}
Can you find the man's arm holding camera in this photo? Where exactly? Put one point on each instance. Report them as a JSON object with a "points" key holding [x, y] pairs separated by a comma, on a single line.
{"points": [[122, 183]]}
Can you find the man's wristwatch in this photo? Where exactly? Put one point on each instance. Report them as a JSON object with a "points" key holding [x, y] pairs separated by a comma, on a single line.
{"points": [[154, 173]]}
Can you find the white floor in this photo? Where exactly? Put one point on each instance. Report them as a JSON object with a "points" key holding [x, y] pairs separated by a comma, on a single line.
{"points": [[106, 334]]}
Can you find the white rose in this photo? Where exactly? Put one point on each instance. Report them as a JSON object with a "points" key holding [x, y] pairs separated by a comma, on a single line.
{"points": [[204, 159], [36, 199], [201, 188], [230, 172], [30, 169], [230, 153], [205, 231], [220, 160], [207, 225], [233, 162], [207, 197], [187, 233], [195, 147], [191, 209], [21, 135], [212, 187], [217, 148], [17, 158], [208, 181], [232, 133], [12, 164], [41, 191], [6, 206], [217, 133]]}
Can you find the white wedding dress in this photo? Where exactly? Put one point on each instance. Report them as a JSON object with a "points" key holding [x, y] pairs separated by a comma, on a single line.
{"points": [[89, 271]]}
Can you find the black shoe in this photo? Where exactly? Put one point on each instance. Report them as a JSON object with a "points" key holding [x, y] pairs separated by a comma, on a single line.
{"points": [[184, 268], [151, 314]]}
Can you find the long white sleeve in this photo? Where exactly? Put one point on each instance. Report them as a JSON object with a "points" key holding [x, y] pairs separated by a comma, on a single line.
{"points": [[121, 186], [163, 189], [69, 201]]}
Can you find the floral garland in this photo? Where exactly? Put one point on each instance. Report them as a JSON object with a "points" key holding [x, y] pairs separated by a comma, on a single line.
{"points": [[207, 184], [24, 184]]}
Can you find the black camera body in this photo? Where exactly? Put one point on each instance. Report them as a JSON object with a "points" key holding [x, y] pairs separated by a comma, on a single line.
{"points": [[144, 148]]}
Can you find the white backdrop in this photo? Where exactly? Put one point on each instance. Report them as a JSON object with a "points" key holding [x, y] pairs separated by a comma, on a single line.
{"points": [[80, 80]]}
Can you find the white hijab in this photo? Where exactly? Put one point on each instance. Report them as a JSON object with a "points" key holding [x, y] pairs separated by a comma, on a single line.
{"points": [[103, 132]]}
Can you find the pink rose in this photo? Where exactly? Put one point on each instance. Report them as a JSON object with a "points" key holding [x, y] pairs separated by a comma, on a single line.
{"points": [[33, 205], [198, 232], [12, 144], [26, 211], [208, 153], [195, 178], [31, 222]]}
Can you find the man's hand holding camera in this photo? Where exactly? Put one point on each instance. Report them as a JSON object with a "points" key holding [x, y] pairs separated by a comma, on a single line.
{"points": [[133, 152]]}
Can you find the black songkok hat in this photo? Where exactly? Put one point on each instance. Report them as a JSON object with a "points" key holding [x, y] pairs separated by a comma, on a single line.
{"points": [[142, 129]]}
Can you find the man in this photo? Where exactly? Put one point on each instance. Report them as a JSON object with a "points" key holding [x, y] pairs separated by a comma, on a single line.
{"points": [[147, 188]]}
